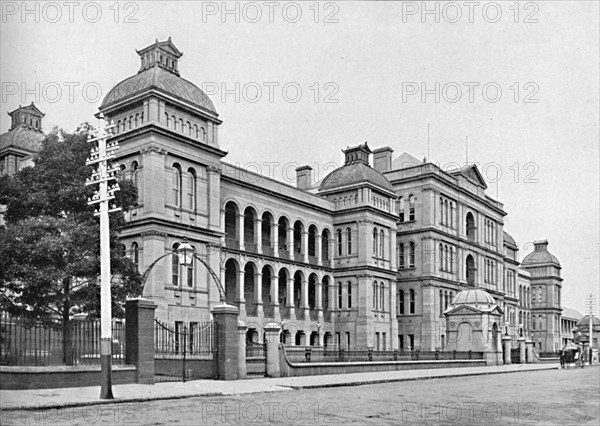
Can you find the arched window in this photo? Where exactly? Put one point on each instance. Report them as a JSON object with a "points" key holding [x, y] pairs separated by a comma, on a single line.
{"points": [[181, 125], [470, 222], [441, 257], [203, 134], [177, 185], [382, 297], [411, 207], [167, 119], [188, 127], [196, 131], [192, 189], [349, 295], [375, 237], [175, 267], [340, 299], [375, 296], [137, 118], [401, 256], [441, 303], [411, 307], [401, 209], [349, 240], [382, 244], [118, 126], [130, 122], [446, 258], [174, 120], [446, 212], [339, 241], [411, 255], [135, 255], [190, 271], [441, 211], [401, 302]]}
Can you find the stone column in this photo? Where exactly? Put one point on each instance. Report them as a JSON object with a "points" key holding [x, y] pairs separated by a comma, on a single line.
{"points": [[506, 346], [290, 242], [319, 299], [241, 230], [275, 296], [305, 246], [304, 297], [531, 358], [272, 341], [139, 336], [290, 298], [241, 340], [275, 239], [522, 351], [258, 293], [240, 293], [318, 248], [258, 234], [226, 320]]}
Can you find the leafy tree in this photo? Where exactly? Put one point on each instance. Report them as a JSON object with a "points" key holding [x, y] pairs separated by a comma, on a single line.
{"points": [[50, 247]]}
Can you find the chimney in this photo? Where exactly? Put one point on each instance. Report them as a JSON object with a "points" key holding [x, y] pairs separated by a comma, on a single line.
{"points": [[382, 159], [304, 177]]}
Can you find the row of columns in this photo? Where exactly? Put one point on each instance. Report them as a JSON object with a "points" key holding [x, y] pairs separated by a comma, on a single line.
{"points": [[275, 239]]}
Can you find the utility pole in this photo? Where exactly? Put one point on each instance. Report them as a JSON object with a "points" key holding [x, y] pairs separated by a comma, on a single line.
{"points": [[100, 156], [590, 302]]}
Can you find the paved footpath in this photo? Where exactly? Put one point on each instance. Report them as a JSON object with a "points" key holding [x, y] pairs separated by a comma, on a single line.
{"points": [[73, 397]]}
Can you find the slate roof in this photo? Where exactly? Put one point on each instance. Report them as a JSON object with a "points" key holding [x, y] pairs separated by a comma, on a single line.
{"points": [[355, 173], [163, 81], [540, 255], [22, 137]]}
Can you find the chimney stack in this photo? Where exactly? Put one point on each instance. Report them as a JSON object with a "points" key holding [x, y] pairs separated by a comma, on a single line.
{"points": [[382, 159], [304, 177]]}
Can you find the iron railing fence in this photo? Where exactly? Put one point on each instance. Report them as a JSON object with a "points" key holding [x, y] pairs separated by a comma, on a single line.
{"points": [[319, 354], [27, 343]]}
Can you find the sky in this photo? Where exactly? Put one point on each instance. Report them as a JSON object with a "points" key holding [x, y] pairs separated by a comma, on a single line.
{"points": [[295, 83]]}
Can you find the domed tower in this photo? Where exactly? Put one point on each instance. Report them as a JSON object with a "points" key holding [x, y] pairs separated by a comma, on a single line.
{"points": [[364, 244], [168, 146], [546, 285]]}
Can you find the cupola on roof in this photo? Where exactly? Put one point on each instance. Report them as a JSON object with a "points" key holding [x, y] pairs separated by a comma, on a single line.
{"points": [[25, 132], [356, 170], [476, 297], [159, 71], [540, 255]]}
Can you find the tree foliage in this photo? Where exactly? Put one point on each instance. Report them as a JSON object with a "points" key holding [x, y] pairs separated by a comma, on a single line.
{"points": [[50, 247]]}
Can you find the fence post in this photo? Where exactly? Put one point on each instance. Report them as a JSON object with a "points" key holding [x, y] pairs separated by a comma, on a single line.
{"points": [[506, 345], [272, 350], [241, 335], [184, 340], [522, 356], [139, 337], [226, 319]]}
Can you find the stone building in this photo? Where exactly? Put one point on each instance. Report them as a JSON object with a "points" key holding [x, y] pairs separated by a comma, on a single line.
{"points": [[546, 287], [372, 255]]}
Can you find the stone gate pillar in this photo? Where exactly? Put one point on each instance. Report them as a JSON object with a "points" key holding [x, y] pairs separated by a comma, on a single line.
{"points": [[506, 346], [272, 352], [241, 341], [522, 350], [139, 338], [226, 321]]}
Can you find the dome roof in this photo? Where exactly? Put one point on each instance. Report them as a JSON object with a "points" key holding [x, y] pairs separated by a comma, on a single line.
{"points": [[354, 173], [508, 239], [474, 297], [540, 255], [23, 137], [585, 321], [162, 80]]}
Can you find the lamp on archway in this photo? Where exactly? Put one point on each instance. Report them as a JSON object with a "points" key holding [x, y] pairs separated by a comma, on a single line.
{"points": [[185, 253]]}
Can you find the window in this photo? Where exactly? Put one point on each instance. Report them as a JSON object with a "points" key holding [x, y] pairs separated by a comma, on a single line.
{"points": [[401, 264], [411, 255], [441, 257], [135, 255], [340, 299], [192, 189], [190, 272], [375, 291], [375, 237], [175, 267], [446, 212], [381, 244], [411, 207], [177, 185], [411, 306], [401, 209], [411, 341], [401, 302], [349, 240], [349, 295], [382, 297], [339, 242], [446, 258]]}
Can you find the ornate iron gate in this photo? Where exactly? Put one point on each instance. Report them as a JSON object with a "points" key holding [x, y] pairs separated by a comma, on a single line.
{"points": [[178, 345]]}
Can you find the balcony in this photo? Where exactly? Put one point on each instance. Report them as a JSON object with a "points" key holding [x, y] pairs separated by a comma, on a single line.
{"points": [[298, 257], [312, 260], [251, 247], [284, 254], [268, 250]]}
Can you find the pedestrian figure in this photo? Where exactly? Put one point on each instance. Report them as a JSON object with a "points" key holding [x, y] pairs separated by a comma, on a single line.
{"points": [[563, 357]]}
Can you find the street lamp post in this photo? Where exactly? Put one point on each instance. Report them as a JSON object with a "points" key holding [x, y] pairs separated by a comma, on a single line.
{"points": [[99, 158]]}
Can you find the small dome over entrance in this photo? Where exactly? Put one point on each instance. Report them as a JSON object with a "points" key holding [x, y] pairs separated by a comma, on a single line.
{"points": [[477, 298]]}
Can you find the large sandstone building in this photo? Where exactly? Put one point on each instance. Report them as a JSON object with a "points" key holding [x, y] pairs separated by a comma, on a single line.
{"points": [[370, 256]]}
